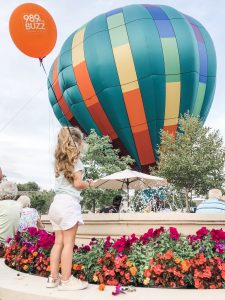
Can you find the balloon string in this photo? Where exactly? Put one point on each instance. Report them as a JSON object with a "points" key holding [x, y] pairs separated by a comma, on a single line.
{"points": [[50, 84]]}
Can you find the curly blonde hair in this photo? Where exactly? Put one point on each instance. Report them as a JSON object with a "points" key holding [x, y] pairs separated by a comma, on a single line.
{"points": [[68, 149]]}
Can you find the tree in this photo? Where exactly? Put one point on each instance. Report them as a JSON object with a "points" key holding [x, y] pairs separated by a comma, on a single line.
{"points": [[40, 200], [194, 160], [29, 186], [100, 160]]}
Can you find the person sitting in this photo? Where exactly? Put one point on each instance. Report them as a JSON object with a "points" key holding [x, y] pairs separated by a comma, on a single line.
{"points": [[213, 204], [29, 216], [9, 211], [115, 207]]}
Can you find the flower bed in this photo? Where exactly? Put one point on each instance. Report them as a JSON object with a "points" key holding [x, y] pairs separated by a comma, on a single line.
{"points": [[159, 258]]}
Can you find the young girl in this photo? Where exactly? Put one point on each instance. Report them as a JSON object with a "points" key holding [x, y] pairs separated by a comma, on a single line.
{"points": [[65, 211]]}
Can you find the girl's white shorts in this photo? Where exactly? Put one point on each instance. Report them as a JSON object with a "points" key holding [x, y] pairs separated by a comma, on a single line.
{"points": [[65, 212]]}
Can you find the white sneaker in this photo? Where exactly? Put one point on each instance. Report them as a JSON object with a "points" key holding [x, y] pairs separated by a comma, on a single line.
{"points": [[53, 283], [73, 284]]}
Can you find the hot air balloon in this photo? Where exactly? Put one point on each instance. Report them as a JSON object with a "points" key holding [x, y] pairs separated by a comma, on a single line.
{"points": [[131, 72]]}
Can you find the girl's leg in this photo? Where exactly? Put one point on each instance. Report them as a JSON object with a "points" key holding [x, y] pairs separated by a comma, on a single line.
{"points": [[56, 254], [67, 252]]}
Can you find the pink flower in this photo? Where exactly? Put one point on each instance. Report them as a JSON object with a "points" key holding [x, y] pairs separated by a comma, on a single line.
{"points": [[202, 232], [32, 231], [174, 233], [131, 240], [220, 248], [120, 244], [145, 238], [107, 244], [158, 231], [217, 234], [118, 290], [192, 238], [17, 236]]}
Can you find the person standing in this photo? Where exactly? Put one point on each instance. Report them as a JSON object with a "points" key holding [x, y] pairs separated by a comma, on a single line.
{"points": [[65, 210]]}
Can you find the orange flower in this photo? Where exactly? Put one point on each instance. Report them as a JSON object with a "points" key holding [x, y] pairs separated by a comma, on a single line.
{"points": [[157, 269], [112, 282], [198, 284], [48, 269], [185, 265], [129, 264], [127, 276], [108, 255], [109, 272], [101, 287], [177, 260], [25, 267], [212, 286], [168, 255], [201, 259], [223, 275], [207, 272], [35, 253], [133, 271], [147, 273]]}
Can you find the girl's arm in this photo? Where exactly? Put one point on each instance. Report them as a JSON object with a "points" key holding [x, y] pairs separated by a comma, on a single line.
{"points": [[79, 183]]}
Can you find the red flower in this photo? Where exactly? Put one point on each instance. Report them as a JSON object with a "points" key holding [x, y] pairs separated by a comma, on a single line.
{"points": [[158, 231], [107, 244], [169, 255], [217, 234], [32, 231], [120, 244], [202, 232], [174, 233]]}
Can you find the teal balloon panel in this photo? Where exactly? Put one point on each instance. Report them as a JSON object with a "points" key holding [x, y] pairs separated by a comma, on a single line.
{"points": [[131, 72]]}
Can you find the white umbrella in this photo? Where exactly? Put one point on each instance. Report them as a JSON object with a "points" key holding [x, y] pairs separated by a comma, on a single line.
{"points": [[129, 179]]}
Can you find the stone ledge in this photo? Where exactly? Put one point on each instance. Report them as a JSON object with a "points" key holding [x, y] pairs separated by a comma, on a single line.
{"points": [[115, 225], [29, 287]]}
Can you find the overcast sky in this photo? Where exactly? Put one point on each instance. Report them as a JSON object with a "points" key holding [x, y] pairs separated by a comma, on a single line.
{"points": [[27, 124]]}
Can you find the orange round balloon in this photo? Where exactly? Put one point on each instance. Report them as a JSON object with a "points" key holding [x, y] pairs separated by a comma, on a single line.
{"points": [[33, 30]]}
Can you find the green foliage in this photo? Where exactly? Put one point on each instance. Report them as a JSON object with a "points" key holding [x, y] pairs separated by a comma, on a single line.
{"points": [[195, 160], [29, 186], [100, 160], [89, 260], [41, 200]]}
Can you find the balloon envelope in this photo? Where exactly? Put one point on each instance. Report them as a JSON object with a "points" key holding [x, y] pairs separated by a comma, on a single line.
{"points": [[132, 71], [33, 30]]}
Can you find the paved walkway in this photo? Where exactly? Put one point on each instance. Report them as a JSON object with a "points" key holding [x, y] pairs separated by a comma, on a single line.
{"points": [[28, 287]]}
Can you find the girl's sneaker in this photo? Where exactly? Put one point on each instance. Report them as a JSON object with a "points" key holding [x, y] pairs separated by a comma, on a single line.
{"points": [[73, 284], [53, 282]]}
